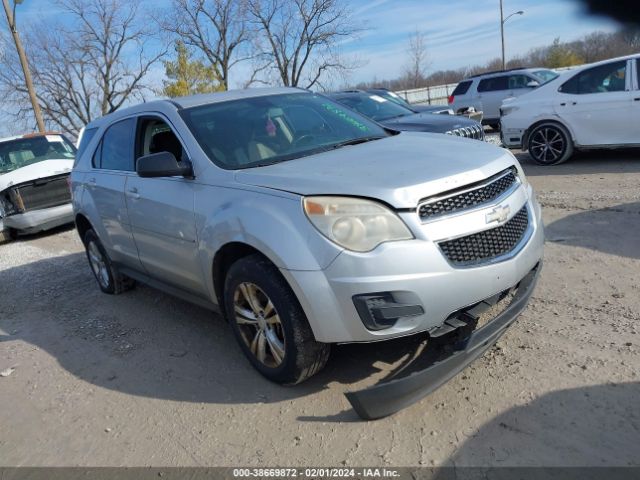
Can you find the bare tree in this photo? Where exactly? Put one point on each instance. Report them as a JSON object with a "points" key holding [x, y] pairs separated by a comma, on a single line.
{"points": [[87, 68], [300, 38], [216, 28], [418, 62]]}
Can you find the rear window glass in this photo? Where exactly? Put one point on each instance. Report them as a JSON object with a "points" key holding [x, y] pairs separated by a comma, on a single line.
{"points": [[493, 84], [87, 136], [610, 77], [462, 88], [117, 147]]}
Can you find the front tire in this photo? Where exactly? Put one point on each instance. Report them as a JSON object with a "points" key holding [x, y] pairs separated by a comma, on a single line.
{"points": [[269, 324], [109, 279], [550, 144]]}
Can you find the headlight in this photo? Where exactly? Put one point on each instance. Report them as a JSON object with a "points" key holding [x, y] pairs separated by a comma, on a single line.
{"points": [[353, 223]]}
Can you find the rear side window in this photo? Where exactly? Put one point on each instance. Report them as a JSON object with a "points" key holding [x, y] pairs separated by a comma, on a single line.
{"points": [[87, 136], [116, 148], [493, 84], [603, 79], [462, 88]]}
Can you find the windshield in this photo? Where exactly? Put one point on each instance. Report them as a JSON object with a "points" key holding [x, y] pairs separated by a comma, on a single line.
{"points": [[394, 97], [265, 130], [21, 152], [545, 75], [375, 106]]}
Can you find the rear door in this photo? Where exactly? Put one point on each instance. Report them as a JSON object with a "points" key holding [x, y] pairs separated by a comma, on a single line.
{"points": [[492, 91], [162, 212], [112, 164], [597, 104]]}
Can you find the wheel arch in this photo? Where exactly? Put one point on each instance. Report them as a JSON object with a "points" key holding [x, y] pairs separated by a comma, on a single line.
{"points": [[226, 256], [554, 120], [83, 225]]}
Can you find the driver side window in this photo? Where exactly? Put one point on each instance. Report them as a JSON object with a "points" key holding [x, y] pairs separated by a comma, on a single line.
{"points": [[156, 136]]}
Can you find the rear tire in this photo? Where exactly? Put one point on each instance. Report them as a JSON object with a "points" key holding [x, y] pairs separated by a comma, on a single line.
{"points": [[269, 323], [109, 279], [550, 144]]}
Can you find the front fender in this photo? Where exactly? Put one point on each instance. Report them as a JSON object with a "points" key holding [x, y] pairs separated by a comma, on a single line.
{"points": [[274, 225]]}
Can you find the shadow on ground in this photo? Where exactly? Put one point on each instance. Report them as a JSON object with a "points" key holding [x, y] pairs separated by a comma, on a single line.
{"points": [[150, 344], [605, 230], [553, 428], [586, 163]]}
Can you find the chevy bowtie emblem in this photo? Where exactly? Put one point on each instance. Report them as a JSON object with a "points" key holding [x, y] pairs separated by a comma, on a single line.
{"points": [[498, 214]]}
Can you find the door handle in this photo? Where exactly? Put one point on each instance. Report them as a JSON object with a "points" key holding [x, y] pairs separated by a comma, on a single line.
{"points": [[636, 99], [133, 193]]}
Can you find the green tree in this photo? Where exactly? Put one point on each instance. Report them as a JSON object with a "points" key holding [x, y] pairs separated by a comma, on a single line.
{"points": [[187, 76], [560, 55]]}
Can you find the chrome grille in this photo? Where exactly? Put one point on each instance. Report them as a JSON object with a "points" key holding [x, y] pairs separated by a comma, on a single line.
{"points": [[488, 245], [48, 192], [476, 132], [471, 196]]}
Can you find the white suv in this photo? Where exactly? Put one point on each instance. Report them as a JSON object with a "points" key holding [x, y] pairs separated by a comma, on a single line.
{"points": [[593, 106], [486, 92]]}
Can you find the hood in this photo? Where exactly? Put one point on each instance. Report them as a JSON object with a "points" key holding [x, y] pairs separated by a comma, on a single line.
{"points": [[428, 122], [46, 168], [399, 170]]}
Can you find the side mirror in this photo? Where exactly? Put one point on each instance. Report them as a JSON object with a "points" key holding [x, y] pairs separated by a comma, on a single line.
{"points": [[533, 84], [163, 164]]}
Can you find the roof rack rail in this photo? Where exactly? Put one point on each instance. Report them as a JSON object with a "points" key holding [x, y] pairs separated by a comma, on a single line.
{"points": [[497, 71]]}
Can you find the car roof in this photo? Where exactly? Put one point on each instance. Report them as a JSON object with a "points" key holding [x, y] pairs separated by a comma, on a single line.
{"points": [[193, 101], [533, 69], [28, 135]]}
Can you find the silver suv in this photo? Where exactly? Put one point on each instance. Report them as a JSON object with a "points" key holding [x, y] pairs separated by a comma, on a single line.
{"points": [[307, 224], [487, 91]]}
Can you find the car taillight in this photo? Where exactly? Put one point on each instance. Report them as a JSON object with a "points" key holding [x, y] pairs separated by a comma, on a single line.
{"points": [[451, 99]]}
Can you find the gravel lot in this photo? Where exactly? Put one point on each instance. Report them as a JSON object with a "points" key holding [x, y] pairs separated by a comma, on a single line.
{"points": [[145, 379]]}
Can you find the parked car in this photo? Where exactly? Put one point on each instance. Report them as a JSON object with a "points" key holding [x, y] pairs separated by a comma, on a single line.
{"points": [[34, 191], [486, 92], [594, 106], [394, 97], [395, 116], [308, 224]]}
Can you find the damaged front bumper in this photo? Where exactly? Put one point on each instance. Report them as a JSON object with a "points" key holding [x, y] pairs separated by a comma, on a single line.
{"points": [[40, 220], [387, 398]]}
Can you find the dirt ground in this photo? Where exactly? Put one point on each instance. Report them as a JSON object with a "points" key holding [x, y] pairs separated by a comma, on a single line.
{"points": [[145, 379]]}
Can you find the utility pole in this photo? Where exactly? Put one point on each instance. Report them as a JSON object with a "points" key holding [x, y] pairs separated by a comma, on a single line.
{"points": [[502, 22], [501, 33], [23, 61]]}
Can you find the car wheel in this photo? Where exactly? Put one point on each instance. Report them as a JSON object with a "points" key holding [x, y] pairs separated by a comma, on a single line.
{"points": [[109, 279], [550, 144], [269, 323]]}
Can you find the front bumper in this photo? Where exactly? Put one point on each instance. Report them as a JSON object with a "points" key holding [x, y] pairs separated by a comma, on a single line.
{"points": [[385, 399], [416, 272], [40, 220]]}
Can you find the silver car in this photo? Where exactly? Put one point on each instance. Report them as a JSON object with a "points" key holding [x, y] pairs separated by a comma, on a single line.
{"points": [[307, 224]]}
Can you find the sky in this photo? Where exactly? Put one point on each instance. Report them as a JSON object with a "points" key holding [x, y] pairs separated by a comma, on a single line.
{"points": [[458, 33]]}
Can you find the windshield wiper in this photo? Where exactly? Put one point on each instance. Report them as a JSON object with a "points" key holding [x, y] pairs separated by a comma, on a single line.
{"points": [[356, 141]]}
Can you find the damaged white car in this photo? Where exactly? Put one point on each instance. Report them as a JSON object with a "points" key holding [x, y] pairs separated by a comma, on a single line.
{"points": [[34, 190]]}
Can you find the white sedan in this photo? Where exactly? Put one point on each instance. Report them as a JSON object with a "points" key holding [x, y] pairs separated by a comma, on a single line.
{"points": [[593, 106]]}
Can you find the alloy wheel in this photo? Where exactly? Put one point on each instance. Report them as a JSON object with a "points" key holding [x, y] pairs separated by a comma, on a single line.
{"points": [[547, 145], [259, 324], [98, 264]]}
